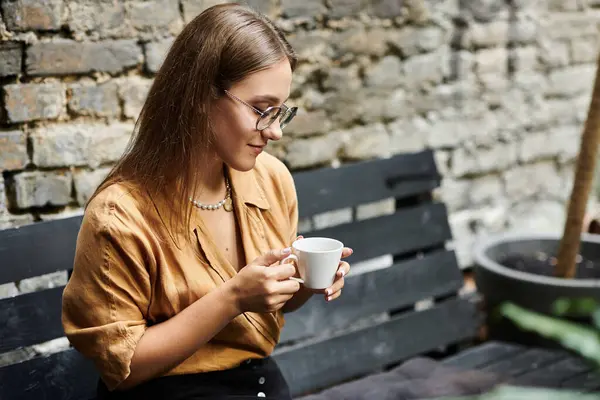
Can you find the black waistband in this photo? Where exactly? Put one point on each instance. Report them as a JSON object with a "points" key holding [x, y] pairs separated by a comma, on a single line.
{"points": [[251, 377]]}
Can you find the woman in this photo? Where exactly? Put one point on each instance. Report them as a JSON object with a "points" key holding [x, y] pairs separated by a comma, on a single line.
{"points": [[177, 291]]}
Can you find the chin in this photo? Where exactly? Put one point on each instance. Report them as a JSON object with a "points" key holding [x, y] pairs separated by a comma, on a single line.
{"points": [[243, 165]]}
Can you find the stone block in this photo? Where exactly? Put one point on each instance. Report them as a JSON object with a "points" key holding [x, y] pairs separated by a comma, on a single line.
{"points": [[10, 58], [48, 281], [364, 142], [89, 99], [311, 45], [314, 151], [308, 123], [427, 69], [13, 150], [561, 141], [34, 101], [267, 7], [346, 8], [344, 78], [86, 182], [62, 145], [386, 73], [133, 92], [99, 18], [537, 216], [412, 40], [303, 9], [159, 16], [65, 57], [554, 54], [571, 81], [38, 189], [79, 144], [584, 50], [387, 8], [356, 41], [467, 161], [524, 59], [407, 136], [375, 209], [380, 104], [156, 53], [332, 218], [109, 144], [192, 8], [491, 61], [41, 15], [530, 180], [570, 25]]}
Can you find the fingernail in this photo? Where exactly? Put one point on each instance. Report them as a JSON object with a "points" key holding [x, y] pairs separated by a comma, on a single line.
{"points": [[328, 292], [342, 273], [351, 251], [287, 250]]}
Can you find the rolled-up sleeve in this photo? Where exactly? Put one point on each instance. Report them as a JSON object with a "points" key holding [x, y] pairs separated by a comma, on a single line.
{"points": [[106, 300]]}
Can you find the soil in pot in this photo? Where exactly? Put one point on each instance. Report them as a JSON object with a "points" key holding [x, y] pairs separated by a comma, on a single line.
{"points": [[544, 264]]}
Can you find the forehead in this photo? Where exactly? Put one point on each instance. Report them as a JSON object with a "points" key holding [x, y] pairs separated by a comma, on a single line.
{"points": [[274, 81]]}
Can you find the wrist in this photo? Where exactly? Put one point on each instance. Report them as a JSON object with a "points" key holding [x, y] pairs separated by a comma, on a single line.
{"points": [[231, 298]]}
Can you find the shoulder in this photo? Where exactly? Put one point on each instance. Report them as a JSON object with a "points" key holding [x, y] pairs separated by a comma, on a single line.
{"points": [[117, 206]]}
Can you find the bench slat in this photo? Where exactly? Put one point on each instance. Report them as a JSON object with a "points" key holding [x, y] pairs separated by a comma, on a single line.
{"points": [[315, 365], [38, 249], [60, 376], [30, 319], [553, 375], [524, 362], [378, 291], [363, 182], [406, 231], [483, 355], [587, 382]]}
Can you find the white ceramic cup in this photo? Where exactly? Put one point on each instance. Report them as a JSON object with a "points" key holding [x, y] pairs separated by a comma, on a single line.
{"points": [[318, 259]]}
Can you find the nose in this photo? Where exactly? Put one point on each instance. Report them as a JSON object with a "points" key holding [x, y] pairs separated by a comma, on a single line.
{"points": [[273, 131]]}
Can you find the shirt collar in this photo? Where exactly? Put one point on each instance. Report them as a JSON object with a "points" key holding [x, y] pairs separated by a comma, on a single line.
{"points": [[248, 186]]}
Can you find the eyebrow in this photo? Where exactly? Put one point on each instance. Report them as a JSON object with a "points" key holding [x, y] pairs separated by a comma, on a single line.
{"points": [[268, 98]]}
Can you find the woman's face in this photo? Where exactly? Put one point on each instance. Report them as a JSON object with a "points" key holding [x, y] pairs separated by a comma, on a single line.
{"points": [[238, 142]]}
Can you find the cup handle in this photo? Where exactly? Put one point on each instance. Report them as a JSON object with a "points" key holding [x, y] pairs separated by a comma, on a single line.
{"points": [[295, 258]]}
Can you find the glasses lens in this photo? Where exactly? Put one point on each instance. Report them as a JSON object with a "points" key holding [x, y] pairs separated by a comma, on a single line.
{"points": [[287, 117], [269, 116]]}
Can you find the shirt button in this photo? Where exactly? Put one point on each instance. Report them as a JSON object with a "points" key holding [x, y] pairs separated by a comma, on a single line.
{"points": [[261, 380], [261, 394]]}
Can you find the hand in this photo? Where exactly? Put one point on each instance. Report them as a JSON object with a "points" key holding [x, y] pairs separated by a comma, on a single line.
{"points": [[335, 290], [263, 287]]}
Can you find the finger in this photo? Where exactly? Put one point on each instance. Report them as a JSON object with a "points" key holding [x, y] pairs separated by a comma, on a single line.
{"points": [[334, 296], [336, 287], [343, 269], [282, 272], [286, 287], [347, 252], [271, 256], [299, 237]]}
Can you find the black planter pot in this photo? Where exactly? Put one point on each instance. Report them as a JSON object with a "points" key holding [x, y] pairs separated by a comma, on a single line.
{"points": [[498, 284]]}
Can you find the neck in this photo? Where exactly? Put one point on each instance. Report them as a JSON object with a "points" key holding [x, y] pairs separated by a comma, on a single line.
{"points": [[211, 184]]}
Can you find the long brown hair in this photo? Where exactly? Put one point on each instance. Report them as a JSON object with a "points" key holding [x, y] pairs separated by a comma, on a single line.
{"points": [[221, 46]]}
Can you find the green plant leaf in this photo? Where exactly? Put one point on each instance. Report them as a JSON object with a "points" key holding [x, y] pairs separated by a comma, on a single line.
{"points": [[577, 307], [573, 336]]}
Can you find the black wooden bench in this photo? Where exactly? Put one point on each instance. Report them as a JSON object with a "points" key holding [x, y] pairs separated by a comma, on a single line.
{"points": [[409, 309]]}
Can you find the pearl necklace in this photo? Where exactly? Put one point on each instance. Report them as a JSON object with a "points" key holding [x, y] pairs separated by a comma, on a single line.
{"points": [[226, 203]]}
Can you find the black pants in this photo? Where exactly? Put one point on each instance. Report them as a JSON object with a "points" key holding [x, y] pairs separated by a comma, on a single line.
{"points": [[257, 378]]}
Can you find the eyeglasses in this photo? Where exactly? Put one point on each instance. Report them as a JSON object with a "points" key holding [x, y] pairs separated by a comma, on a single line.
{"points": [[284, 114]]}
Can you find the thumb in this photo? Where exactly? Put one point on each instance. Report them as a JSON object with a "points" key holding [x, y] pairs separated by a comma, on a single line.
{"points": [[272, 256]]}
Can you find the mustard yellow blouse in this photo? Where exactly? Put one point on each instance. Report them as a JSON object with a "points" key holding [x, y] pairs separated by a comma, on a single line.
{"points": [[129, 273]]}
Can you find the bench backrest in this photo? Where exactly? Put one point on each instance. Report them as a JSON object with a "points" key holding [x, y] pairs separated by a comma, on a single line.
{"points": [[376, 323]]}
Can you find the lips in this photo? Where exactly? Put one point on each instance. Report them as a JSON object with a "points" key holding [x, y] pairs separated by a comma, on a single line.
{"points": [[257, 149]]}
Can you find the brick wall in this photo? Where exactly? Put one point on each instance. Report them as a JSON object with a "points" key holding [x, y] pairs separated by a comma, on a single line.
{"points": [[498, 90]]}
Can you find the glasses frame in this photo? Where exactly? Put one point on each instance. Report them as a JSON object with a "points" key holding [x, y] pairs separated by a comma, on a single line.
{"points": [[283, 109]]}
